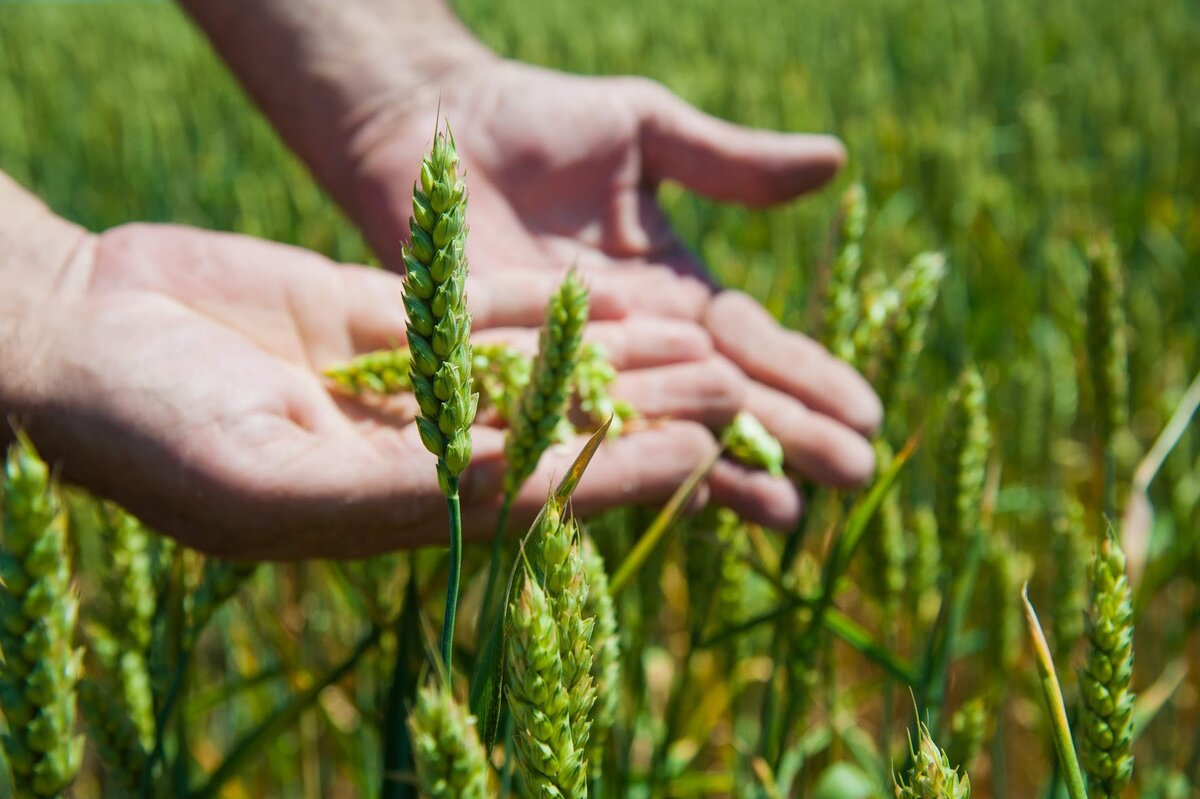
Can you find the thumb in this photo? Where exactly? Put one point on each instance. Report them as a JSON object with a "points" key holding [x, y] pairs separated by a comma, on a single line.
{"points": [[724, 161]]}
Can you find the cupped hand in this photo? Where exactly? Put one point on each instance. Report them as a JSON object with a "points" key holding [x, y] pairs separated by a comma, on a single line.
{"points": [[179, 373], [564, 170]]}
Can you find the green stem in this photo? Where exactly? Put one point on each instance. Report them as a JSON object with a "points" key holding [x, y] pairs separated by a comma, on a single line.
{"points": [[455, 512], [493, 567]]}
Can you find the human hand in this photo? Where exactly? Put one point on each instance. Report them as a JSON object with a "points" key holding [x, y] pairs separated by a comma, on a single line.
{"points": [[177, 372], [564, 170]]}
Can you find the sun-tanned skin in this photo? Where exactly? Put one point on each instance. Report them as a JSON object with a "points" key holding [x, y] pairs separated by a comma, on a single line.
{"points": [[177, 370]]}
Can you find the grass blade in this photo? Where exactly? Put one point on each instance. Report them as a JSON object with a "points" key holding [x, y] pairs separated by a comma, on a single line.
{"points": [[663, 522], [1061, 730]]}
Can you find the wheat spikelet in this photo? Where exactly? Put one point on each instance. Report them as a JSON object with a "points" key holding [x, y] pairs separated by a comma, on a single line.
{"points": [[1107, 355], [1105, 680], [962, 457], [38, 611], [439, 327], [544, 401], [930, 775], [544, 746], [746, 440], [606, 650], [450, 761]]}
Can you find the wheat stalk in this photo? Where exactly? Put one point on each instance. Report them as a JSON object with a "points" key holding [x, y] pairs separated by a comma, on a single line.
{"points": [[450, 761], [439, 332], [38, 611]]}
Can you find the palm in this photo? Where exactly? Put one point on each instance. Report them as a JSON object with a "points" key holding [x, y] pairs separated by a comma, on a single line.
{"points": [[565, 169], [217, 342]]}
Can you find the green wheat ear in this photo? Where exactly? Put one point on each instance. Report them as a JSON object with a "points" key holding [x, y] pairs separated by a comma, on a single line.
{"points": [[380, 372], [543, 403], [38, 611], [545, 748], [965, 443], [450, 760], [1105, 681], [439, 327], [841, 311], [1107, 349], [930, 775]]}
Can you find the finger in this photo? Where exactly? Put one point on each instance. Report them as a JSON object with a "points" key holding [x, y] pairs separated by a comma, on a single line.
{"points": [[518, 298], [374, 309], [653, 289], [744, 331], [711, 391], [633, 343], [643, 466], [755, 495], [724, 161], [819, 447]]}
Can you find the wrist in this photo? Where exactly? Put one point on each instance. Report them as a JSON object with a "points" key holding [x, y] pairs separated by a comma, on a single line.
{"points": [[332, 77], [43, 264]]}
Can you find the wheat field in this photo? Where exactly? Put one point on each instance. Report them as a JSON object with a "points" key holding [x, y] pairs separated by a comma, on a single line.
{"points": [[1008, 136]]}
